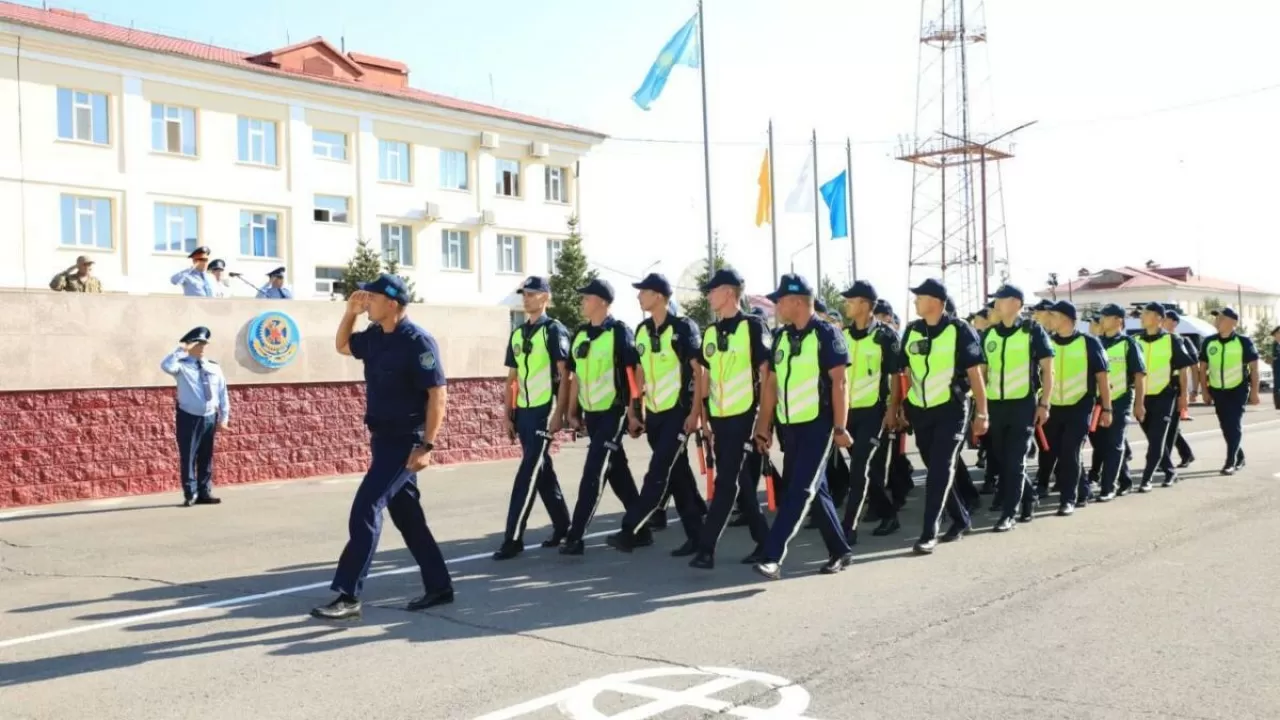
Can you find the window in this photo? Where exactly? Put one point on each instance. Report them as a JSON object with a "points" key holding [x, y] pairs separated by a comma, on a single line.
{"points": [[329, 144], [83, 116], [554, 246], [508, 178], [177, 228], [393, 161], [257, 140], [329, 281], [86, 222], [453, 169], [510, 257], [397, 244], [455, 247], [557, 191], [331, 209], [173, 129], [259, 234]]}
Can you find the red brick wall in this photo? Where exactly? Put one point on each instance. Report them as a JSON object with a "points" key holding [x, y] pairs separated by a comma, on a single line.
{"points": [[77, 444]]}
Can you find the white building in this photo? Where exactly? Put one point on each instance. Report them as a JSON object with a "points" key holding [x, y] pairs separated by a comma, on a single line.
{"points": [[133, 148]]}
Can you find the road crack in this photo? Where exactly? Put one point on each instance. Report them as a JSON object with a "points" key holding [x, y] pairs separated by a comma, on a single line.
{"points": [[89, 576]]}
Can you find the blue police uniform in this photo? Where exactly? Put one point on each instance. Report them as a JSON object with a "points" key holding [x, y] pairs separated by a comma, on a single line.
{"points": [[195, 283], [274, 293], [1112, 443], [1275, 369], [1229, 403], [401, 368], [1174, 439], [202, 402], [532, 420], [1161, 407]]}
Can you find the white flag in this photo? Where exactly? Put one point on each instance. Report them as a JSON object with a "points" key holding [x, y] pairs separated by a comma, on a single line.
{"points": [[801, 198]]}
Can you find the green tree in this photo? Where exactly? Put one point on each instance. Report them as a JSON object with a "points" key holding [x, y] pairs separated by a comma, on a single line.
{"points": [[571, 272], [830, 296], [700, 310], [1262, 338], [366, 265], [1207, 307]]}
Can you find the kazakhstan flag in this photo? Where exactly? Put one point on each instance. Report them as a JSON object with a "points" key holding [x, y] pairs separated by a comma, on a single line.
{"points": [[682, 49]]}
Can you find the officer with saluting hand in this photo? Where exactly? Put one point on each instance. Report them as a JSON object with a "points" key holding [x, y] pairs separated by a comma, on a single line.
{"points": [[537, 355], [1224, 361], [1165, 356], [405, 406], [1127, 378], [203, 406]]}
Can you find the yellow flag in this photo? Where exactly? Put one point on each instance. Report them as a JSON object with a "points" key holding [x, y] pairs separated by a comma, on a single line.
{"points": [[764, 205]]}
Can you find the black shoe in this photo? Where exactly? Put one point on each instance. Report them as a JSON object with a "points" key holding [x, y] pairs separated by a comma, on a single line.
{"points": [[1107, 497], [756, 557], [1066, 509], [658, 522], [925, 547], [430, 600], [1145, 487], [1028, 511], [770, 570], [208, 500], [1186, 462], [1124, 490], [685, 550], [1240, 465], [988, 488], [621, 541], [343, 608], [188, 502], [1169, 480], [737, 520], [1083, 501], [703, 561], [1228, 470], [644, 538], [996, 504], [509, 549], [556, 538], [888, 526], [837, 563], [573, 547], [980, 463], [1006, 524], [955, 532]]}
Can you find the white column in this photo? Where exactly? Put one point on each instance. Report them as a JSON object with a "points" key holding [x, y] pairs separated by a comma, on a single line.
{"points": [[486, 182], [301, 272], [366, 182], [136, 209]]}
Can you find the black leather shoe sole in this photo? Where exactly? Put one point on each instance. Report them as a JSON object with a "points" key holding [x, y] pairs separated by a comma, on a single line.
{"points": [[345, 612], [209, 500], [573, 547], [430, 600]]}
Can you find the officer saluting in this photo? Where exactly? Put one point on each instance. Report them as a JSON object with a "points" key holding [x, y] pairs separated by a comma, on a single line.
{"points": [[275, 289], [603, 352], [537, 356], [1164, 356], [943, 358], [196, 280], [1127, 377], [202, 407], [1224, 360], [405, 406]]}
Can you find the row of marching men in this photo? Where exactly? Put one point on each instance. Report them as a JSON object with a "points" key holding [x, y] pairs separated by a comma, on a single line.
{"points": [[825, 391]]}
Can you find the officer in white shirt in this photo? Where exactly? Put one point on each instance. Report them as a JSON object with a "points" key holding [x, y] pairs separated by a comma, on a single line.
{"points": [[221, 287]]}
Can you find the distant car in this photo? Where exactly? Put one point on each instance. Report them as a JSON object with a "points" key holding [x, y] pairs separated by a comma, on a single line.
{"points": [[1266, 378]]}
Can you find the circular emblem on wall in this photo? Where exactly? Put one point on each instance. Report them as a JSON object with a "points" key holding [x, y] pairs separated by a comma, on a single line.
{"points": [[273, 339]]}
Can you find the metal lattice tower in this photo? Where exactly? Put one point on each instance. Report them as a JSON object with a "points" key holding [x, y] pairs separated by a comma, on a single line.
{"points": [[950, 152]]}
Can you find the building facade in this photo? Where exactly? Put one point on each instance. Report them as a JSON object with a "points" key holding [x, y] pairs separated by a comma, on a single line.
{"points": [[133, 148]]}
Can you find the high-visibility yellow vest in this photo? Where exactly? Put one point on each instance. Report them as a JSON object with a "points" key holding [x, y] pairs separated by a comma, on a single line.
{"points": [[534, 372], [933, 369], [1226, 363], [662, 375], [1070, 373], [730, 377], [597, 381], [1009, 364], [865, 373], [798, 374], [1118, 368], [1158, 355]]}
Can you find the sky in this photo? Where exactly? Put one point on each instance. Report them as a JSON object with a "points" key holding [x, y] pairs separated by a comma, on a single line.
{"points": [[1152, 141]]}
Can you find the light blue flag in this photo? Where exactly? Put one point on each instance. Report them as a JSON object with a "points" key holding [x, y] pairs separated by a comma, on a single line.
{"points": [[682, 49], [833, 193]]}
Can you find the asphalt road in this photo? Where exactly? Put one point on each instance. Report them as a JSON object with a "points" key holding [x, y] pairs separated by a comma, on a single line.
{"points": [[1165, 605]]}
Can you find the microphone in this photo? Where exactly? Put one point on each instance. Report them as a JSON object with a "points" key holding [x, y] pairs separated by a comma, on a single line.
{"points": [[234, 274]]}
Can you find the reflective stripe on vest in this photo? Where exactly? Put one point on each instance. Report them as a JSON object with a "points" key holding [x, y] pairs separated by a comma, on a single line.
{"points": [[1158, 355], [533, 369], [1070, 373], [932, 372], [866, 369], [798, 374], [1226, 364], [597, 386], [1118, 368], [730, 379], [662, 374], [1008, 364]]}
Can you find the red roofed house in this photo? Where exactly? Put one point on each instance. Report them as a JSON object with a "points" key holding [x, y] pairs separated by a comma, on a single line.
{"points": [[133, 148]]}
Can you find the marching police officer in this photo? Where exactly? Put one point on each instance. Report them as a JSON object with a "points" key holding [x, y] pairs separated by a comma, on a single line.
{"points": [[669, 348], [203, 406], [898, 484], [1275, 365], [1127, 378], [943, 359], [1225, 359], [1019, 360], [1165, 357], [735, 356], [405, 407], [537, 355], [809, 399], [1174, 439], [275, 289], [602, 367]]}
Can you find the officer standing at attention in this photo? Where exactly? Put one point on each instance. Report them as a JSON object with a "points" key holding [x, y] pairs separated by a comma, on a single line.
{"points": [[1019, 359], [405, 406], [669, 348], [275, 289], [1165, 356], [943, 359], [808, 397], [537, 356], [872, 373], [1127, 378], [735, 355], [602, 362], [1174, 438], [195, 280], [1224, 361], [203, 406]]}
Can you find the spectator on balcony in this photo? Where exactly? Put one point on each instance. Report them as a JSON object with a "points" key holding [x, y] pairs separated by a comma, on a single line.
{"points": [[196, 281], [221, 287], [77, 278], [275, 289]]}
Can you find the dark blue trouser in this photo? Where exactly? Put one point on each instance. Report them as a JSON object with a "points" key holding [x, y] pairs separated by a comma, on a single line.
{"points": [[389, 484], [606, 461], [195, 453], [737, 481], [669, 473], [864, 424], [1228, 405], [1066, 430], [1110, 447], [1174, 440], [1011, 427], [940, 434], [1157, 425], [536, 472], [805, 467]]}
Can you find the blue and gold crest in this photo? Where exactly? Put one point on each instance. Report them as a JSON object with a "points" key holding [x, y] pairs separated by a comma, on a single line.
{"points": [[273, 339]]}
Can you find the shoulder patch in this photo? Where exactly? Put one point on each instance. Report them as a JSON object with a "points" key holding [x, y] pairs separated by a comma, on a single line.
{"points": [[427, 360], [837, 342], [564, 343]]}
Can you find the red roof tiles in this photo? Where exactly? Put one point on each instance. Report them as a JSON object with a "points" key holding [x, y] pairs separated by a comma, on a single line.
{"points": [[1135, 277]]}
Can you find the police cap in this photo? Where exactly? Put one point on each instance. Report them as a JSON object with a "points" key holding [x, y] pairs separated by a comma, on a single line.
{"points": [[1008, 291], [197, 335], [277, 273], [861, 289], [202, 250], [389, 285], [657, 282], [1042, 306], [790, 284], [819, 306], [932, 287], [1154, 307], [600, 288], [1062, 307], [1111, 310], [217, 265], [723, 276], [882, 307], [1171, 314], [1229, 312], [534, 283]]}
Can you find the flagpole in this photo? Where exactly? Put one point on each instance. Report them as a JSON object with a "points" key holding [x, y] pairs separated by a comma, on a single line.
{"points": [[773, 206], [848, 181], [817, 216], [706, 137]]}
